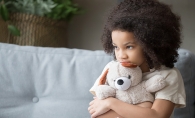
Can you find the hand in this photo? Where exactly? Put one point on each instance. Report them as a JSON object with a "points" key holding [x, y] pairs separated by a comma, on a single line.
{"points": [[98, 107]]}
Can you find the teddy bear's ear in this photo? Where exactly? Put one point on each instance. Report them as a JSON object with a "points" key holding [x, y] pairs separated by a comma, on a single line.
{"points": [[103, 78]]}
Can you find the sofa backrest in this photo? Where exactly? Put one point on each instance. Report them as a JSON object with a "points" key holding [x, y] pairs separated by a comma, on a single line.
{"points": [[186, 65], [38, 82]]}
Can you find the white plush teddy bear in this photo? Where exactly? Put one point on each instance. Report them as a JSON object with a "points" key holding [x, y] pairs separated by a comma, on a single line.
{"points": [[126, 84]]}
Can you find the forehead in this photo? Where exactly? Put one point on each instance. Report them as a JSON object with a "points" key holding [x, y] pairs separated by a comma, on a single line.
{"points": [[122, 36]]}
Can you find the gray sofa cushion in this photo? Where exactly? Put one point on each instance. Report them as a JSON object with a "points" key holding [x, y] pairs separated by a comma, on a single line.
{"points": [[47, 82], [38, 82]]}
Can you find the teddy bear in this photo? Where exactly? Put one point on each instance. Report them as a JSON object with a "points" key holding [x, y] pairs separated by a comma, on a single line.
{"points": [[126, 84]]}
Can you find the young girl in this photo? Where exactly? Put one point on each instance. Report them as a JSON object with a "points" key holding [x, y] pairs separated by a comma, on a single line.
{"points": [[144, 33]]}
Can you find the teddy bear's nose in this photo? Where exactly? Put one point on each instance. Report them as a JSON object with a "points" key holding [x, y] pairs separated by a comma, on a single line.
{"points": [[120, 82]]}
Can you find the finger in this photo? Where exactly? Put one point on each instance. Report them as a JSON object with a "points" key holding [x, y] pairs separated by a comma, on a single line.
{"points": [[91, 103], [94, 115], [91, 111], [89, 108]]}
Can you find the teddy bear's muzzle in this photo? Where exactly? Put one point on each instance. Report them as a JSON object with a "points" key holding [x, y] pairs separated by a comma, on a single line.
{"points": [[122, 83]]}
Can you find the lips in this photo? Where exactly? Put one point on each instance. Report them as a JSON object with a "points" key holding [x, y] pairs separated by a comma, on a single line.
{"points": [[128, 64]]}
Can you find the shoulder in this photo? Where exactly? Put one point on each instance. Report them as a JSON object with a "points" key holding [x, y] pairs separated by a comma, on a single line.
{"points": [[172, 75], [169, 72], [174, 91]]}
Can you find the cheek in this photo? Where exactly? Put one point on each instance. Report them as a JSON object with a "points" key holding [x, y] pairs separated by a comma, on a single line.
{"points": [[140, 58], [136, 57], [116, 55]]}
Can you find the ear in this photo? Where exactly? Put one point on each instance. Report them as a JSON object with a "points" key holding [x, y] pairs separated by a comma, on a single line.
{"points": [[103, 78]]}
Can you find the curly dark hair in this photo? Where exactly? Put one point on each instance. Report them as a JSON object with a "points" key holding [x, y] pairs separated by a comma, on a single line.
{"points": [[155, 26]]}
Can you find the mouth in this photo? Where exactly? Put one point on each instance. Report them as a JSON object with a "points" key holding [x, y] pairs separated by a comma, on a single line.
{"points": [[128, 64]]}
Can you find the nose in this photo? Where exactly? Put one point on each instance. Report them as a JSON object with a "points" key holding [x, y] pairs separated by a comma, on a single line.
{"points": [[120, 82], [122, 54]]}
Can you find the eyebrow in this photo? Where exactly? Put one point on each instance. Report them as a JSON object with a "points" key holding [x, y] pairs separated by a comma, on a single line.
{"points": [[126, 43], [129, 43]]}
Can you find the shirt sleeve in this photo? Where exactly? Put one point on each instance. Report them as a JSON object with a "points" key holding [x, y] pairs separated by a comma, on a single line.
{"points": [[92, 90], [174, 91]]}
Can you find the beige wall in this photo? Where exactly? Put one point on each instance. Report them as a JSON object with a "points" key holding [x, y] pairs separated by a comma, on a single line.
{"points": [[186, 9], [85, 30]]}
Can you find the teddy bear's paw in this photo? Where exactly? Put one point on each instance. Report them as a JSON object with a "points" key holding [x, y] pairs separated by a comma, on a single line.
{"points": [[105, 91], [155, 83]]}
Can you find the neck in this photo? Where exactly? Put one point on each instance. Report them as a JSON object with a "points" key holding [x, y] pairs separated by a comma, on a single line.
{"points": [[144, 67]]}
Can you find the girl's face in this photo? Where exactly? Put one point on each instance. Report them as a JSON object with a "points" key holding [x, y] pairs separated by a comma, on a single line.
{"points": [[127, 50]]}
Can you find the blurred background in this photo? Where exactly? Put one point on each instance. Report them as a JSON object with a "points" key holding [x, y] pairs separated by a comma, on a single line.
{"points": [[45, 23], [85, 30]]}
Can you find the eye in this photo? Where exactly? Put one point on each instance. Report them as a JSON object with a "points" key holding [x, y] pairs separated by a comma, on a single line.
{"points": [[129, 47], [115, 47], [122, 83]]}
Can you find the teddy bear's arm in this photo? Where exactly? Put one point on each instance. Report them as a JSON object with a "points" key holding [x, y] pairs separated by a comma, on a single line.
{"points": [[105, 91], [155, 83]]}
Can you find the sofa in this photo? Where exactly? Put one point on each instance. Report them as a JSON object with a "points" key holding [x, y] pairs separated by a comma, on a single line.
{"points": [[46, 82]]}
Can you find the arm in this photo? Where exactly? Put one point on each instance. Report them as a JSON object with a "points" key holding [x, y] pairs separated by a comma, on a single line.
{"points": [[112, 114], [160, 109]]}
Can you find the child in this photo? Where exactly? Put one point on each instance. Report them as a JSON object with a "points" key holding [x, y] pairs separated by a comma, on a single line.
{"points": [[144, 33]]}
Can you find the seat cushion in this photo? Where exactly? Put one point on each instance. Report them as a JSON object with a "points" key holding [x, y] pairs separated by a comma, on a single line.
{"points": [[38, 82]]}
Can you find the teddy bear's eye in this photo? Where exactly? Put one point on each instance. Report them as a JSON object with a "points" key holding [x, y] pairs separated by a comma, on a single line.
{"points": [[122, 83], [129, 76]]}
